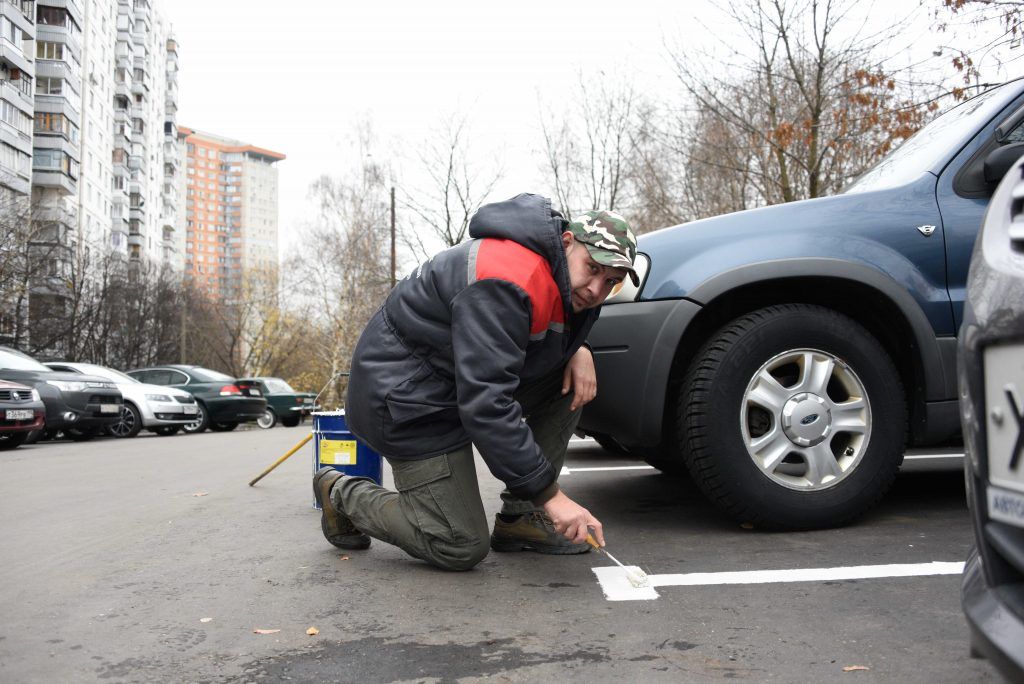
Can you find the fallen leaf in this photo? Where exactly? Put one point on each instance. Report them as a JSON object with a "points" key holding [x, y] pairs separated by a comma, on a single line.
{"points": [[199, 494], [343, 557], [312, 631], [265, 631], [206, 619], [747, 526], [855, 668]]}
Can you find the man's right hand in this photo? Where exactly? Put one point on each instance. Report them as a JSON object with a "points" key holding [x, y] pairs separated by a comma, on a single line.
{"points": [[572, 520]]}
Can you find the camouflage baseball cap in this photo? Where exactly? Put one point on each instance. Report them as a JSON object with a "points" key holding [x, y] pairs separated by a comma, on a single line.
{"points": [[608, 239]]}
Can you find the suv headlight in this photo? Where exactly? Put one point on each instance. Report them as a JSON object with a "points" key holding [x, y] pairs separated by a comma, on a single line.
{"points": [[68, 386], [628, 292], [102, 385], [159, 397], [35, 395]]}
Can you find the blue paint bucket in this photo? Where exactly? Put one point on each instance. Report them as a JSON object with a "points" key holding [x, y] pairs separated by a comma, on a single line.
{"points": [[335, 446]]}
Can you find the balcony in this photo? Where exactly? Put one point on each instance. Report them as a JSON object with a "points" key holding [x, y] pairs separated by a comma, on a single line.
{"points": [[10, 91], [22, 13], [13, 55], [56, 179]]}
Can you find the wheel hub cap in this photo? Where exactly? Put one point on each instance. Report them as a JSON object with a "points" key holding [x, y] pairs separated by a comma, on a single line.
{"points": [[806, 419]]}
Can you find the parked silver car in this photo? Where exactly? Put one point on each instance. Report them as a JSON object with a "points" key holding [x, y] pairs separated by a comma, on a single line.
{"points": [[991, 367], [163, 410]]}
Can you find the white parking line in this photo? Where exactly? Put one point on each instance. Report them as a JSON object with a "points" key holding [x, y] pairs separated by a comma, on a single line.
{"points": [[597, 469], [616, 585]]}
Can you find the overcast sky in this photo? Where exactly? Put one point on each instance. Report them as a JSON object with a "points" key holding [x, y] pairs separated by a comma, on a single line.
{"points": [[296, 76]]}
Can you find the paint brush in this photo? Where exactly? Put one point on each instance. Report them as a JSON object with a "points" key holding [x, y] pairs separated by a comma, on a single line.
{"points": [[636, 576]]}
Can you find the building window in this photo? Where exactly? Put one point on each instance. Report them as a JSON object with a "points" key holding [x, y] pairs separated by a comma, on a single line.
{"points": [[53, 16], [49, 85], [47, 50], [54, 160], [57, 124]]}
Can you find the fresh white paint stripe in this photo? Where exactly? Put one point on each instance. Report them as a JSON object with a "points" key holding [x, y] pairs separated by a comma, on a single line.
{"points": [[598, 469], [928, 457], [808, 574], [616, 586]]}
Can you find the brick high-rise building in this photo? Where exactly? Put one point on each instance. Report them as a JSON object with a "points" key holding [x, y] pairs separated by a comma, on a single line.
{"points": [[230, 218]]}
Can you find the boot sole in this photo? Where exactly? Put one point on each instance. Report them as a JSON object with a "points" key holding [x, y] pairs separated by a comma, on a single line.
{"points": [[511, 545], [349, 542]]}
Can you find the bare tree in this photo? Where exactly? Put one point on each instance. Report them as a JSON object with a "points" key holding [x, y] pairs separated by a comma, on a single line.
{"points": [[1000, 25], [589, 147], [345, 277], [808, 112], [33, 251], [457, 183]]}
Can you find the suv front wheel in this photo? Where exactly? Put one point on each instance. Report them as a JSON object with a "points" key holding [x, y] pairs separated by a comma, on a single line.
{"points": [[792, 417]]}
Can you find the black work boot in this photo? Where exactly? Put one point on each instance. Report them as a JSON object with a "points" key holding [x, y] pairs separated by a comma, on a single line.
{"points": [[533, 531], [337, 527]]}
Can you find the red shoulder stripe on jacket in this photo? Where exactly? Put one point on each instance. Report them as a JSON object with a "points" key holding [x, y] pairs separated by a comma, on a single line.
{"points": [[510, 261]]}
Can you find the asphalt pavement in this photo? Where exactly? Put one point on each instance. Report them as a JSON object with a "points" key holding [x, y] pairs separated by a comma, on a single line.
{"points": [[151, 559]]}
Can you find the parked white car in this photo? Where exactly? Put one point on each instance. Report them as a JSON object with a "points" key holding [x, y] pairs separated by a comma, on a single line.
{"points": [[159, 409]]}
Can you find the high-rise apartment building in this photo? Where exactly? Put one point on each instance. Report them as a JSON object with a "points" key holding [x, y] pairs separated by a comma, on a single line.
{"points": [[144, 106], [99, 80], [230, 217], [17, 76]]}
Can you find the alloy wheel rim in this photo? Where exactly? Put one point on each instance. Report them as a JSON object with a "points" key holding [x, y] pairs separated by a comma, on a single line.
{"points": [[123, 427], [805, 419], [194, 425]]}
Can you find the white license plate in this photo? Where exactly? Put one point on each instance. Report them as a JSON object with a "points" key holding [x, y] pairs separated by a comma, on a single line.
{"points": [[1004, 419], [110, 408], [20, 414], [254, 393], [1006, 506], [191, 410]]}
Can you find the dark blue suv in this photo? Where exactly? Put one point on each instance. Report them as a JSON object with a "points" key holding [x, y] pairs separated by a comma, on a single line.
{"points": [[788, 355]]}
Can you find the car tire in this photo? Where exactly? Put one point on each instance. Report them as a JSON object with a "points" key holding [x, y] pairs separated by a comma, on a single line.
{"points": [[128, 425], [268, 419], [12, 440], [792, 417], [35, 435], [291, 421], [167, 430], [201, 422], [223, 427]]}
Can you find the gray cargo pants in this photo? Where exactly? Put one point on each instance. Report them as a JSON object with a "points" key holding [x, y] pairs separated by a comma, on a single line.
{"points": [[437, 515]]}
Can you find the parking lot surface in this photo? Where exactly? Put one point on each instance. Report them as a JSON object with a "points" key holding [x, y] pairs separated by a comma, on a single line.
{"points": [[151, 559]]}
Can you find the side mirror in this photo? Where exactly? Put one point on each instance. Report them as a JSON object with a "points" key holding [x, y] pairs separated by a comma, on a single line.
{"points": [[1001, 160]]}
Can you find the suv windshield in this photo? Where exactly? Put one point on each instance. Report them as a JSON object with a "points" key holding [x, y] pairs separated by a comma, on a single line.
{"points": [[207, 375], [13, 360], [928, 146]]}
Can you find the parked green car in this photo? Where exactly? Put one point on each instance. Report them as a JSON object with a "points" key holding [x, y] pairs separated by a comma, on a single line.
{"points": [[283, 403]]}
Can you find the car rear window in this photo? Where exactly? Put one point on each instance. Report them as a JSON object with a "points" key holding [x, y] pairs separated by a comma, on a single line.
{"points": [[278, 385], [207, 375]]}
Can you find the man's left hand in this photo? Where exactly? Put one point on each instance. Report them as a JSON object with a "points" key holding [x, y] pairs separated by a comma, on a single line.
{"points": [[580, 377]]}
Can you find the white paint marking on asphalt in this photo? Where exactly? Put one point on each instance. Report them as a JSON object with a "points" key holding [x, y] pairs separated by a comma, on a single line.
{"points": [[616, 586], [928, 457], [599, 469]]}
